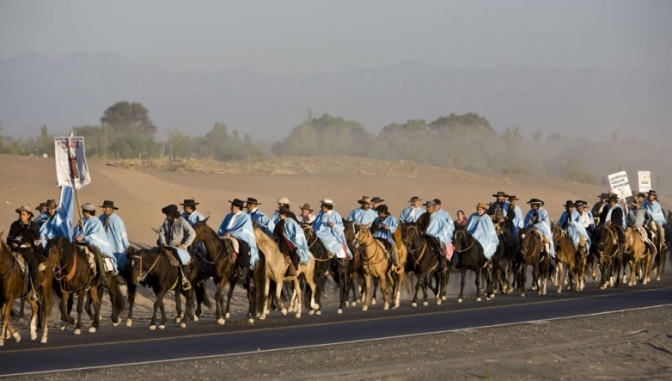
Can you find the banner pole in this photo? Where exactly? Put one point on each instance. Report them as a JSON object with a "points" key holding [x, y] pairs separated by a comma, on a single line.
{"points": [[72, 160]]}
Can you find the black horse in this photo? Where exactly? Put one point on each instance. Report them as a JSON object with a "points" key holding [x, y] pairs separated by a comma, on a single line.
{"points": [[471, 257], [423, 260], [531, 254]]}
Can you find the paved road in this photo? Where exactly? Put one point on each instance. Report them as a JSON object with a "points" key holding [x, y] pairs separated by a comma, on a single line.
{"points": [[113, 346]]}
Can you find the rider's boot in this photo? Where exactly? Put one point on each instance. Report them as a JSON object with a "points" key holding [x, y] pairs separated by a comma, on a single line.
{"points": [[185, 282]]}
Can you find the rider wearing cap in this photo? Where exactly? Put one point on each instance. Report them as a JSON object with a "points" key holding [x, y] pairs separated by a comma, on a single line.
{"points": [[570, 220]]}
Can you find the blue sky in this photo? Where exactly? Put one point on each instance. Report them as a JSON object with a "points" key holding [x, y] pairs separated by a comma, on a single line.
{"points": [[302, 38]]}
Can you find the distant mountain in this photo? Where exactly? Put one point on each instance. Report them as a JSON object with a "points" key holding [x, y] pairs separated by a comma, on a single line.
{"points": [[75, 89]]}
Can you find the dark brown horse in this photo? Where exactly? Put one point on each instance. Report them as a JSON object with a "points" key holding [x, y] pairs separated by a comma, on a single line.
{"points": [[608, 255], [530, 254], [75, 275], [472, 258], [423, 261], [566, 255], [223, 268]]}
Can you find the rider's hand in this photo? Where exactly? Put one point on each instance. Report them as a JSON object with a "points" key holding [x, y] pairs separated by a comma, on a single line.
{"points": [[182, 246], [79, 238], [331, 224]]}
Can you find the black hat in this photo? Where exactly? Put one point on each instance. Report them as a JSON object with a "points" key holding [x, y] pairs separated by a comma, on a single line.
{"points": [[189, 202], [578, 203], [415, 198], [535, 201], [437, 201], [51, 204], [41, 206], [603, 195], [252, 200], [613, 197], [500, 193], [108, 204], [513, 197], [170, 209], [382, 208], [652, 192], [238, 203], [429, 203], [641, 194], [377, 199], [570, 204], [284, 209]]}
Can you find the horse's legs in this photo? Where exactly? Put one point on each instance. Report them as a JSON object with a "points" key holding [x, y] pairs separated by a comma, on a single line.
{"points": [[80, 307], [178, 307], [299, 295], [375, 290], [522, 278], [560, 269], [414, 302], [424, 284], [232, 286], [478, 283], [158, 306], [383, 290], [46, 310], [367, 291], [131, 290], [95, 298], [463, 272]]}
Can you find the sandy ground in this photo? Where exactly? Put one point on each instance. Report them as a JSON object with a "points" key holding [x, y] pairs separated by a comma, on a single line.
{"points": [[620, 346]]}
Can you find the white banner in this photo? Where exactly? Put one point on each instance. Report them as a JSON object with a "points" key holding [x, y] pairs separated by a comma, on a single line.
{"points": [[71, 168], [644, 181], [620, 184]]}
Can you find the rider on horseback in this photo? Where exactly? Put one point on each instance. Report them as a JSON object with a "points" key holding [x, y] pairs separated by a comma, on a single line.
{"points": [[363, 215], [24, 237], [328, 227], [653, 206], [238, 224], [616, 219], [411, 213], [501, 204], [586, 216], [570, 221], [385, 225], [296, 240], [264, 223], [439, 232], [90, 231], [177, 234], [515, 214], [538, 218], [116, 232], [190, 213], [480, 227]]}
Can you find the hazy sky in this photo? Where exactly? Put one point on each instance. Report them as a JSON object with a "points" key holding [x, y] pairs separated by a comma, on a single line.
{"points": [[307, 37]]}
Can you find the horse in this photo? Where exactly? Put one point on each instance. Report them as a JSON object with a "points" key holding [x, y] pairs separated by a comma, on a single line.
{"points": [[325, 263], [423, 261], [375, 263], [661, 258], [608, 255], [14, 284], [276, 267], [75, 274], [566, 255], [155, 267], [530, 254], [221, 261], [472, 258], [638, 253], [504, 257]]}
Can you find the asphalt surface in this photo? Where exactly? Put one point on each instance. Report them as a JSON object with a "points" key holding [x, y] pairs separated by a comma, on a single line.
{"points": [[114, 346]]}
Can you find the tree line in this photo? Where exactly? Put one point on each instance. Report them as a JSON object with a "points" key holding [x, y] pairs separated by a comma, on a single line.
{"points": [[466, 142]]}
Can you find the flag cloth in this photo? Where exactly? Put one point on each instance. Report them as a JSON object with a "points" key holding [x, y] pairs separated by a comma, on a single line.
{"points": [[71, 168]]}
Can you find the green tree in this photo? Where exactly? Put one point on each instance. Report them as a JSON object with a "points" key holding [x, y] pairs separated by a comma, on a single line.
{"points": [[128, 117]]}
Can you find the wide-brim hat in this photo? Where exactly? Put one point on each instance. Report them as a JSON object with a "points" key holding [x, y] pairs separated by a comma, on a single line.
{"points": [[51, 204], [283, 200], [25, 208], [252, 200], [237, 202], [41, 206], [429, 203], [535, 201], [327, 201], [189, 202], [89, 207], [108, 204], [641, 194], [382, 208], [377, 199], [578, 203], [306, 206], [653, 192], [513, 197], [500, 193], [169, 209], [365, 200], [603, 195], [481, 205], [569, 204], [284, 210], [613, 197], [415, 198]]}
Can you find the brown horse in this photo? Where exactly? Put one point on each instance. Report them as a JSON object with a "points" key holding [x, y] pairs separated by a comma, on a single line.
{"points": [[608, 255], [374, 264], [76, 275], [423, 260], [13, 285], [639, 255], [531, 254], [471, 257], [566, 255]]}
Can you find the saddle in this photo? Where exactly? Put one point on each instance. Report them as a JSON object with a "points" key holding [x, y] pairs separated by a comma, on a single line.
{"points": [[18, 257], [385, 246], [173, 258], [90, 255]]}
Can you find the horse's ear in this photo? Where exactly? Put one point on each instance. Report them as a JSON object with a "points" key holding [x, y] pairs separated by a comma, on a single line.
{"points": [[206, 219], [1, 233]]}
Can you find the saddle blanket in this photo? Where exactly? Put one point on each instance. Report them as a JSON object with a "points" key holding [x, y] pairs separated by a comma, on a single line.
{"points": [[20, 261]]}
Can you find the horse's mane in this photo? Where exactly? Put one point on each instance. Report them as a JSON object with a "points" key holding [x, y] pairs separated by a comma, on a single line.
{"points": [[204, 228], [423, 221], [3, 246]]}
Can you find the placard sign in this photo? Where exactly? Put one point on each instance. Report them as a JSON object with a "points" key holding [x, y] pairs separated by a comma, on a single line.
{"points": [[644, 181], [620, 184]]}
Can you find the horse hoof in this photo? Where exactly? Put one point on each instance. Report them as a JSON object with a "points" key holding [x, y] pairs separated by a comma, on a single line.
{"points": [[414, 304], [438, 301], [339, 311], [284, 312], [17, 336], [2, 342], [63, 327], [250, 321], [263, 316], [396, 305], [425, 303], [559, 291], [347, 304], [354, 304], [183, 325], [162, 326], [177, 320], [33, 336], [311, 312], [129, 322], [373, 301], [298, 316], [488, 298], [116, 322], [77, 331], [221, 321], [92, 329], [459, 300], [195, 318], [386, 306], [478, 299], [228, 315], [364, 308], [492, 296], [318, 312], [443, 298], [152, 327], [44, 340]]}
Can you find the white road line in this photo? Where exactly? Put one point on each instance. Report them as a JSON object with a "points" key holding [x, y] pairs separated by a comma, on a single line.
{"points": [[65, 370]]}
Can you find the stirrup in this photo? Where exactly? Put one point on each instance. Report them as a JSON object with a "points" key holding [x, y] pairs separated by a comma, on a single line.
{"points": [[186, 286]]}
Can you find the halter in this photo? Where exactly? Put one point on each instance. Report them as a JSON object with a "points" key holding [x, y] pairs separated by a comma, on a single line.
{"points": [[421, 249], [143, 274], [464, 234], [373, 242], [65, 279]]}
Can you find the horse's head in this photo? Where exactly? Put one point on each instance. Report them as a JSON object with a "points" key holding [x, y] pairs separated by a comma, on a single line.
{"points": [[411, 233], [459, 239], [138, 261], [363, 234], [4, 249], [203, 231]]}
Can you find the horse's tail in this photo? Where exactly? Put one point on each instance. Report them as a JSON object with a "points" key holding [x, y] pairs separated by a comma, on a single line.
{"points": [[205, 298], [119, 303]]}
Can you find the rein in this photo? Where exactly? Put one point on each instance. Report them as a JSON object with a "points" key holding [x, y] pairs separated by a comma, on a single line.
{"points": [[367, 258], [463, 234], [143, 274], [421, 249]]}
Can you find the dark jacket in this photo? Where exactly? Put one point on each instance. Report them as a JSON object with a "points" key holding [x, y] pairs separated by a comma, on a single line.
{"points": [[27, 235]]}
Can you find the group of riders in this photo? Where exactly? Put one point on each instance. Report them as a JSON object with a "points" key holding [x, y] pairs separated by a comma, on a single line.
{"points": [[106, 235]]}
